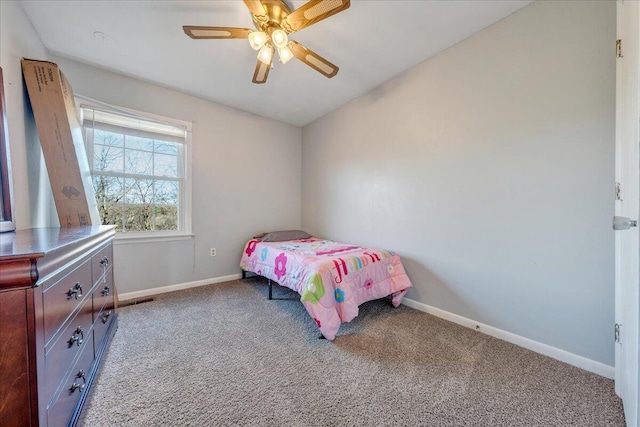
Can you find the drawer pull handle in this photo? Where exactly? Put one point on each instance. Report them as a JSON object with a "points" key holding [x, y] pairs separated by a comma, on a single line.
{"points": [[105, 316], [75, 386], [106, 291], [77, 337], [75, 291], [104, 262]]}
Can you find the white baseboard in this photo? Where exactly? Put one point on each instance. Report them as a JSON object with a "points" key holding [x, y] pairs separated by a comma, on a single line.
{"points": [[553, 352], [128, 296]]}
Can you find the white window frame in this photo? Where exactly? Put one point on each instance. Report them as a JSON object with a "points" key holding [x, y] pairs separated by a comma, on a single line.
{"points": [[185, 197]]}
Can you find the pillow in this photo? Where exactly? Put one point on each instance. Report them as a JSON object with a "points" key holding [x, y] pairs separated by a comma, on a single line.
{"points": [[280, 236]]}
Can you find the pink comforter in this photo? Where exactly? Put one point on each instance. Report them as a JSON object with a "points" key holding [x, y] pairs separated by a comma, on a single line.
{"points": [[332, 278]]}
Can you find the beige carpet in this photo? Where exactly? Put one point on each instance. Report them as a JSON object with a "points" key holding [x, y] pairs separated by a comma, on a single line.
{"points": [[223, 355]]}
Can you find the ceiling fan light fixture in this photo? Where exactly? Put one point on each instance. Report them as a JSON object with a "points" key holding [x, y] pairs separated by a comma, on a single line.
{"points": [[279, 38], [257, 39], [285, 54], [265, 54], [274, 21]]}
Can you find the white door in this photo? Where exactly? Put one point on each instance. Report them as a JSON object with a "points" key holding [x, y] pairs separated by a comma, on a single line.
{"points": [[628, 175]]}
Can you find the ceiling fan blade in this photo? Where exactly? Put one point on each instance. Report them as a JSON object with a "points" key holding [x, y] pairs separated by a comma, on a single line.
{"points": [[313, 60], [255, 7], [261, 73], [196, 32], [312, 12]]}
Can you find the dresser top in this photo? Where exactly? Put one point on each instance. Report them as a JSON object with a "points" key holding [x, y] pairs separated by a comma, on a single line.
{"points": [[34, 241]]}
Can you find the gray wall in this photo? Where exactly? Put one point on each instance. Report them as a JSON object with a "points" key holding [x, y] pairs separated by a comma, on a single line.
{"points": [[33, 200], [246, 178], [490, 169]]}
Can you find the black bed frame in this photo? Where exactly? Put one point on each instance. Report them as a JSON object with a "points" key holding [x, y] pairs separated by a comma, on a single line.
{"points": [[244, 276]]}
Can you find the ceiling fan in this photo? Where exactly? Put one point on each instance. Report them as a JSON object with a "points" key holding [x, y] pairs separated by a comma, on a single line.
{"points": [[274, 21]]}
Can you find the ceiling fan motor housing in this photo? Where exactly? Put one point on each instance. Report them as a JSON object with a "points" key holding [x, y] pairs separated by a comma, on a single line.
{"points": [[276, 10]]}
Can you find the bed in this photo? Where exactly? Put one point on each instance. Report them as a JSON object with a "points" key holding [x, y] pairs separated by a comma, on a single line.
{"points": [[332, 278]]}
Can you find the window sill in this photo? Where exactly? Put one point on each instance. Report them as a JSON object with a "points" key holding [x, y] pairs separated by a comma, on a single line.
{"points": [[124, 239]]}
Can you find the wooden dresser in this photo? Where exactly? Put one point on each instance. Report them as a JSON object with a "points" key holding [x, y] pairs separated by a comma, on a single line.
{"points": [[57, 317]]}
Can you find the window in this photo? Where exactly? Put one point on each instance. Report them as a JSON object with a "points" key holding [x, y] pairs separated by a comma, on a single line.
{"points": [[138, 167]]}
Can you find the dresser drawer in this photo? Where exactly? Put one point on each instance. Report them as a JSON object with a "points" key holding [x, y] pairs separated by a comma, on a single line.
{"points": [[59, 411], [102, 324], [103, 293], [60, 354], [101, 261], [60, 300]]}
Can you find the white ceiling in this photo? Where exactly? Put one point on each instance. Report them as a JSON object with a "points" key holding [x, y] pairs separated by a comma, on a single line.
{"points": [[371, 42]]}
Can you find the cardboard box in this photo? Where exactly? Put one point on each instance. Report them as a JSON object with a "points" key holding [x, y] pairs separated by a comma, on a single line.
{"points": [[60, 134]]}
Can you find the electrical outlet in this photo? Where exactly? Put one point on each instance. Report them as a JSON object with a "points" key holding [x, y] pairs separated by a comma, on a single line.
{"points": [[213, 251]]}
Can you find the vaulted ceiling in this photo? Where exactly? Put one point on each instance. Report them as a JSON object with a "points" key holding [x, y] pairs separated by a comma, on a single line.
{"points": [[370, 42]]}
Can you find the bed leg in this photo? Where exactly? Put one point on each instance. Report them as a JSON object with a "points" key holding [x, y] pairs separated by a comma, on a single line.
{"points": [[269, 288], [244, 274]]}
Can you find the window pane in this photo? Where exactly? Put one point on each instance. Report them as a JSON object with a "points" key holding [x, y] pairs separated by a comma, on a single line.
{"points": [[108, 158], [139, 162], [109, 193], [112, 215], [166, 217], [138, 191], [108, 189], [137, 143], [165, 147], [167, 198], [167, 193], [166, 165], [138, 217], [108, 138], [138, 208]]}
